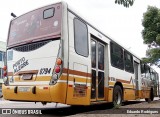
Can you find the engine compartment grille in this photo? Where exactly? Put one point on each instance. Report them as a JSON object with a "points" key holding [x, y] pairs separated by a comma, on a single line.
{"points": [[31, 46]]}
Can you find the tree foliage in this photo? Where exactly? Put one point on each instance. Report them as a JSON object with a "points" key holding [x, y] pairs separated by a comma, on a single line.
{"points": [[151, 35], [125, 3]]}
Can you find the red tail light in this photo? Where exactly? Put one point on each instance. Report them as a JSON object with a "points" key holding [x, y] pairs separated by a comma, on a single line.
{"points": [[57, 69], [5, 68], [5, 73], [59, 61]]}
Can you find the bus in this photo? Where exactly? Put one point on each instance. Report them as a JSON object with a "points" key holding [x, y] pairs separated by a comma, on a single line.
{"points": [[155, 82], [55, 55], [150, 76], [2, 61]]}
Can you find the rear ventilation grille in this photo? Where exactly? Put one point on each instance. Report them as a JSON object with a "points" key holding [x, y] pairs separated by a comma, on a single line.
{"points": [[31, 47]]}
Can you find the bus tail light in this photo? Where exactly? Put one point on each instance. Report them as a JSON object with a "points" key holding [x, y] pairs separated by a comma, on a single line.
{"points": [[54, 79], [57, 69], [5, 73], [5, 79], [5, 68], [59, 61]]}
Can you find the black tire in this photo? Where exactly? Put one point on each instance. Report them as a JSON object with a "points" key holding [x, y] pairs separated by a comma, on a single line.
{"points": [[152, 95], [146, 99], [1, 95], [151, 98], [117, 96]]}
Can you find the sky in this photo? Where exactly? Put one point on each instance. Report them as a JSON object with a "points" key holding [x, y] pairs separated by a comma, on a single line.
{"points": [[121, 24]]}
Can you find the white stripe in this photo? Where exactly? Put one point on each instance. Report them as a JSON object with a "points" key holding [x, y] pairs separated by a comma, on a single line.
{"points": [[47, 83], [64, 74], [79, 76], [72, 83], [64, 81], [31, 83]]}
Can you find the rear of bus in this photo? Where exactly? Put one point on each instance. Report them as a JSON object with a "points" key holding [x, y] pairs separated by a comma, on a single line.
{"points": [[35, 57]]}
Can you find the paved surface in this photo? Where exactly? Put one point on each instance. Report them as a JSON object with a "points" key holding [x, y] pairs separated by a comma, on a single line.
{"points": [[85, 111]]}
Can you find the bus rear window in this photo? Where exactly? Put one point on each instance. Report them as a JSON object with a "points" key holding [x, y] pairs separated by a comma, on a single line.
{"points": [[36, 25], [48, 13]]}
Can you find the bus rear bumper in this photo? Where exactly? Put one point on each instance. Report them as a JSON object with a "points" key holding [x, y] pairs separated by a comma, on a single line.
{"points": [[26, 93], [34, 93]]}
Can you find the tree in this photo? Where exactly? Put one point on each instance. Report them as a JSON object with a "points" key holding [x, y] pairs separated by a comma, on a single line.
{"points": [[151, 35], [125, 3]]}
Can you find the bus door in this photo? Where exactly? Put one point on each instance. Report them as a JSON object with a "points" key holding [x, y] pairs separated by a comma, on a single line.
{"points": [[97, 73], [79, 63], [136, 78]]}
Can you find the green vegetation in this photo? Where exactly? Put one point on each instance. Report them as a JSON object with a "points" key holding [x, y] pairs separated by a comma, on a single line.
{"points": [[125, 3], [151, 35]]}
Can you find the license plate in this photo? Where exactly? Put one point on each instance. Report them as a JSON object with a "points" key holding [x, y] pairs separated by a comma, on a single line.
{"points": [[24, 89], [27, 76]]}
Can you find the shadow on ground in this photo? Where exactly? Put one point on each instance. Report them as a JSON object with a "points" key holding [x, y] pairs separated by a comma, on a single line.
{"points": [[72, 110]]}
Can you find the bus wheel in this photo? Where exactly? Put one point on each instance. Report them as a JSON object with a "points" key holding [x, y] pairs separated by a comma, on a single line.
{"points": [[151, 98], [152, 95], [1, 95], [117, 96], [148, 100]]}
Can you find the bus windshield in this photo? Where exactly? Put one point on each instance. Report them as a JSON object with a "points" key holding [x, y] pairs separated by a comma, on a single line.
{"points": [[40, 24]]}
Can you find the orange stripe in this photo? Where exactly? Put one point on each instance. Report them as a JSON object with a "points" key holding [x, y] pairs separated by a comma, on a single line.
{"points": [[74, 72]]}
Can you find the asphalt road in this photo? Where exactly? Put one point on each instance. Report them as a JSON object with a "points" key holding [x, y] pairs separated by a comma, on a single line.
{"points": [[51, 109]]}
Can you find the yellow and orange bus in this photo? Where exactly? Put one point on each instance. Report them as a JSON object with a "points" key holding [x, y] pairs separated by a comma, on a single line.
{"points": [[54, 55]]}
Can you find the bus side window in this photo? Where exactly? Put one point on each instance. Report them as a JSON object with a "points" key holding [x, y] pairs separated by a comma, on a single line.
{"points": [[142, 70], [128, 62], [81, 38], [148, 75], [100, 57], [93, 54], [117, 56], [10, 55]]}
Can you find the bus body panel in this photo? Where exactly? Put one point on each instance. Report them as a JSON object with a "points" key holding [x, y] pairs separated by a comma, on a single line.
{"points": [[79, 72], [41, 93]]}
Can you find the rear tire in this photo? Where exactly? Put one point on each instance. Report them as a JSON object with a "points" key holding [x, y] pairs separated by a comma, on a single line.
{"points": [[148, 100], [1, 95], [117, 96], [151, 98], [152, 95]]}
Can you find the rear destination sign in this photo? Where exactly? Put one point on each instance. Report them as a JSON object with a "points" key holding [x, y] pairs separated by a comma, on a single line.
{"points": [[20, 64]]}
